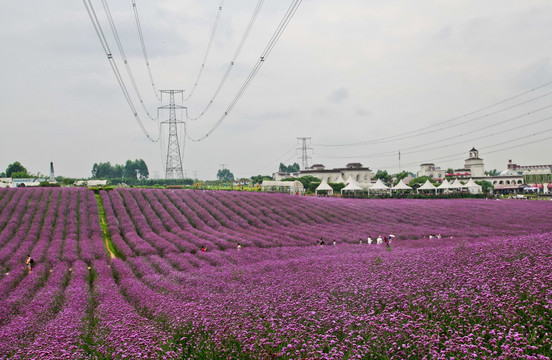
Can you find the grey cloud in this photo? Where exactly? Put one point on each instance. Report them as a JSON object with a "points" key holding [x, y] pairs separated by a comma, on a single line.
{"points": [[534, 74], [339, 95]]}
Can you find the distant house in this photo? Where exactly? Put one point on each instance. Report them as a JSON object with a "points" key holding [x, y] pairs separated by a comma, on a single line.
{"points": [[242, 182], [27, 182], [91, 183], [6, 182], [361, 175]]}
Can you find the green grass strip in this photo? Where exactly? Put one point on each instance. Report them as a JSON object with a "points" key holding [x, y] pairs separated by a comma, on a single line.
{"points": [[111, 250]]}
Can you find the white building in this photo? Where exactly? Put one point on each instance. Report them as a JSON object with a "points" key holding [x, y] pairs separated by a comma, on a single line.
{"points": [[6, 182], [475, 164], [91, 183], [429, 169], [473, 167], [361, 175]]}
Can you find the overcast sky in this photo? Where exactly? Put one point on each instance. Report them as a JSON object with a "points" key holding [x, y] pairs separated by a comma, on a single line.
{"points": [[377, 76]]}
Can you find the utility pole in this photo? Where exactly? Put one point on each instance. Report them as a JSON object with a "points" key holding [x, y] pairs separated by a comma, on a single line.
{"points": [[173, 168], [399, 161], [304, 151]]}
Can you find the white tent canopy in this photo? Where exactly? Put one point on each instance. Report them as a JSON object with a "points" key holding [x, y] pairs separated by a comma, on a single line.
{"points": [[379, 186], [324, 186], [352, 186], [473, 187], [456, 184], [445, 185], [427, 186], [401, 186]]}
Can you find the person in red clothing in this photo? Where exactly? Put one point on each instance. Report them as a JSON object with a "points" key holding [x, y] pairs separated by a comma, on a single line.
{"points": [[203, 249]]}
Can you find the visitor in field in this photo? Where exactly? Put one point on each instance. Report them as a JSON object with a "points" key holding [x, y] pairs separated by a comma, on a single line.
{"points": [[203, 249], [369, 240], [334, 243], [29, 263], [379, 240], [321, 242], [360, 242], [239, 246]]}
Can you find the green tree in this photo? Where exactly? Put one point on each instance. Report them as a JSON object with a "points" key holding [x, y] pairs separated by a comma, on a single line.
{"points": [[421, 180], [337, 187], [383, 176], [258, 179], [307, 180], [17, 168], [290, 168], [225, 175], [143, 171], [102, 171], [117, 171], [486, 186], [401, 176], [130, 169], [136, 169], [20, 175], [312, 186], [493, 172], [294, 168], [3, 175]]}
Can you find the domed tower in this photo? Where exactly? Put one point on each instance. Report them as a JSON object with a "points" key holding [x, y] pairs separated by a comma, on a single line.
{"points": [[475, 164]]}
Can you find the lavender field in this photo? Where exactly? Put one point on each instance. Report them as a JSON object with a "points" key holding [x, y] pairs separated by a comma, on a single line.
{"points": [[481, 291]]}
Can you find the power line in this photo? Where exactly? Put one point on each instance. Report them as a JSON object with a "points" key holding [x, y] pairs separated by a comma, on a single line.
{"points": [[144, 52], [266, 52], [460, 156], [410, 134], [207, 50], [101, 36], [275, 161], [426, 148], [233, 61], [123, 56]]}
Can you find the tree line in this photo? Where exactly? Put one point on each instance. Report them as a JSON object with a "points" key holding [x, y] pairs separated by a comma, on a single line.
{"points": [[136, 169]]}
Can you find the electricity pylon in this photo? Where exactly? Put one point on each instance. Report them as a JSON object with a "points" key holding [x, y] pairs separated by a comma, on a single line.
{"points": [[304, 151], [173, 168]]}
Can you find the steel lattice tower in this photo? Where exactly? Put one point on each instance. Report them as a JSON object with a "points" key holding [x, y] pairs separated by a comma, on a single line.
{"points": [[304, 151], [173, 167]]}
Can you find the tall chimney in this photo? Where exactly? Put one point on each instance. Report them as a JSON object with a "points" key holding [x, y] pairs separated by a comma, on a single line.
{"points": [[52, 178]]}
